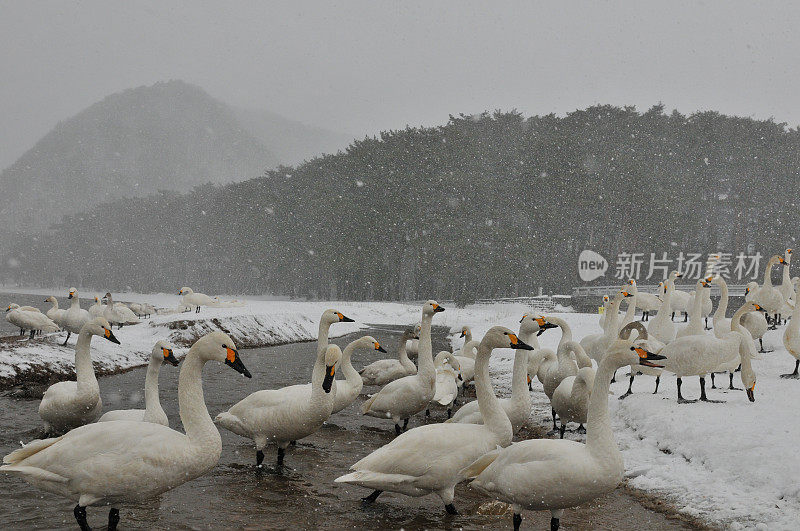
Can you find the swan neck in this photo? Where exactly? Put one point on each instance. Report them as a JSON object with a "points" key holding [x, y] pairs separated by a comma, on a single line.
{"points": [[722, 307], [152, 403], [318, 373], [350, 373], [494, 417], [425, 356], [599, 437], [194, 415], [768, 274], [75, 303], [519, 374], [84, 371]]}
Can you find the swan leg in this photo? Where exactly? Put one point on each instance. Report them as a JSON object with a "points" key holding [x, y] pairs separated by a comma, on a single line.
{"points": [[629, 392], [397, 429], [293, 443], [685, 317], [65, 341], [707, 327], [713, 386], [554, 420], [554, 524], [658, 380], [580, 429], [451, 509], [562, 429], [259, 457], [614, 377], [673, 316], [372, 497], [682, 400], [405, 425], [794, 375], [730, 386], [427, 412], [449, 412], [33, 332], [517, 521], [281, 454], [703, 397], [113, 519], [80, 516]]}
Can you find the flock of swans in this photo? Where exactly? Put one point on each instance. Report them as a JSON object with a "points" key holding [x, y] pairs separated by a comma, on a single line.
{"points": [[131, 455]]}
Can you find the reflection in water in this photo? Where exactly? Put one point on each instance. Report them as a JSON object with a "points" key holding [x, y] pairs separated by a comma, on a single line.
{"points": [[237, 495]]}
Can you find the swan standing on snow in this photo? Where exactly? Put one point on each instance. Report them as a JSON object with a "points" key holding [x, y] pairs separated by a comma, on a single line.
{"points": [[448, 371], [695, 326], [27, 320], [54, 313], [602, 320], [195, 300], [75, 317], [595, 345], [384, 371], [755, 322], [152, 412], [407, 396], [791, 336], [571, 398], [97, 309], [466, 357], [428, 459], [117, 313], [721, 326], [769, 297], [680, 299], [553, 371], [545, 474], [518, 407], [647, 302], [786, 288], [67, 405], [110, 463]]}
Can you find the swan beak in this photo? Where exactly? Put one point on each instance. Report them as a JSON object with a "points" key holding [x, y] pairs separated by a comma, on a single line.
{"points": [[328, 381], [233, 361], [438, 308], [646, 357], [343, 319], [522, 319], [463, 334], [110, 336], [69, 296], [750, 395], [460, 377], [169, 357], [543, 325], [518, 343], [379, 348]]}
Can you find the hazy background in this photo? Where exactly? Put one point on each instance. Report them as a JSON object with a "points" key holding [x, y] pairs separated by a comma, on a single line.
{"points": [[360, 67]]}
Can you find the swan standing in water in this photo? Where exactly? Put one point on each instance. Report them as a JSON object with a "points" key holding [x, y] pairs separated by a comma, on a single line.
{"points": [[384, 371], [518, 407], [290, 413], [75, 317], [28, 320], [407, 396], [67, 405], [546, 474], [429, 459], [152, 412], [117, 462]]}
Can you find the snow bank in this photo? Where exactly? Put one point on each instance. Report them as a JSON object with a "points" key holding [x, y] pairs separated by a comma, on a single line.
{"points": [[734, 465]]}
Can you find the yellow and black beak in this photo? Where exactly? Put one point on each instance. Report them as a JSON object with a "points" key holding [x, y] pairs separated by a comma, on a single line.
{"points": [[379, 348], [233, 361], [169, 357], [438, 308], [330, 372], [463, 334], [517, 343], [782, 261], [70, 295], [750, 393], [759, 308], [626, 294], [343, 319], [523, 317], [110, 336], [646, 357], [543, 325]]}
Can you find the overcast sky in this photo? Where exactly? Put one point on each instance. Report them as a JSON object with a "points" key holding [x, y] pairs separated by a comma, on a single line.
{"points": [[359, 67]]}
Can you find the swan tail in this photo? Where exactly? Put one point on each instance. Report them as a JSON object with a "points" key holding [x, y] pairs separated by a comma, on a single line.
{"points": [[35, 473], [479, 465], [373, 480], [231, 423], [29, 449]]}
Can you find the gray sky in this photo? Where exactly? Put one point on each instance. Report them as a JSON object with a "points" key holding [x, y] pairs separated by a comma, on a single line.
{"points": [[359, 67]]}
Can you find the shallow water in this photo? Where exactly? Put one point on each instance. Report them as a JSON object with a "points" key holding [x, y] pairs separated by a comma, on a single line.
{"points": [[237, 495]]}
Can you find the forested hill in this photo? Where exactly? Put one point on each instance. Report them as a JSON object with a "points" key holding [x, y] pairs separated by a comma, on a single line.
{"points": [[489, 205]]}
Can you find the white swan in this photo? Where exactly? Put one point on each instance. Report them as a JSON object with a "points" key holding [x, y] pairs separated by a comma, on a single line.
{"points": [[466, 357], [786, 288], [117, 313], [290, 413], [596, 345], [75, 316], [680, 299], [447, 375], [767, 296], [195, 300], [755, 322], [700, 355], [428, 459], [152, 412], [518, 407], [110, 463], [661, 327], [632, 302], [602, 320], [571, 398], [722, 326], [695, 326], [347, 390], [67, 405], [384, 371], [413, 344], [647, 302], [55, 314], [407, 396], [546, 474], [553, 371], [97, 309], [538, 353], [791, 336], [27, 320]]}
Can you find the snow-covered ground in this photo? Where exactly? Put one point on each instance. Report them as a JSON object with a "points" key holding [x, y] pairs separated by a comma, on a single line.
{"points": [[733, 465]]}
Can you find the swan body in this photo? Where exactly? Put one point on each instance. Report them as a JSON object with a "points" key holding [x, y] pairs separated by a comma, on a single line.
{"points": [[766, 295], [116, 462], [97, 309], [518, 407], [661, 327], [54, 313], [412, 348], [291, 413], [75, 316], [571, 398], [384, 371], [754, 322], [117, 313], [348, 390], [153, 412], [67, 405], [407, 396], [466, 357], [447, 374], [429, 459], [546, 474], [27, 320], [195, 300]]}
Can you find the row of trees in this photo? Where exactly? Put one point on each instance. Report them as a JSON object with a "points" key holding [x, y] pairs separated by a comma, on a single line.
{"points": [[484, 206]]}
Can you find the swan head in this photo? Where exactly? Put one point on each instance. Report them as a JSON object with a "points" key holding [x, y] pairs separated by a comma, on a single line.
{"points": [[162, 351], [73, 293], [704, 283], [51, 299], [12, 306], [334, 316], [417, 330], [502, 337], [218, 346], [543, 324], [367, 343], [675, 274], [529, 325], [464, 331], [333, 355], [623, 352], [605, 299], [185, 291], [431, 307], [409, 333], [100, 327]]}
